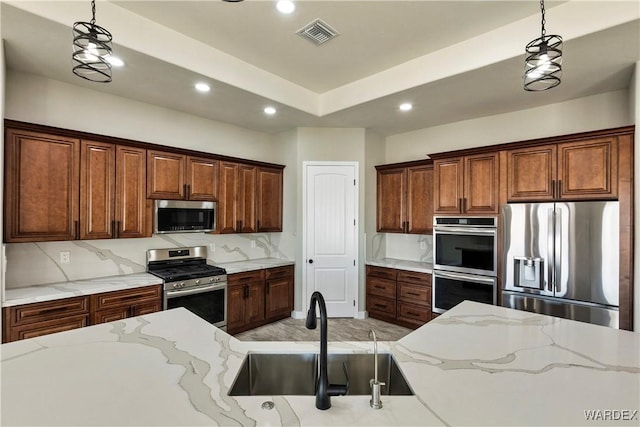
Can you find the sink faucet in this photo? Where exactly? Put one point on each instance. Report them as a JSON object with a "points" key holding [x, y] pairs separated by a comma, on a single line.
{"points": [[375, 401], [324, 390]]}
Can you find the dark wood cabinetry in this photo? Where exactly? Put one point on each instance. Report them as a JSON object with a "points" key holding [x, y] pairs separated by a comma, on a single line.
{"points": [[405, 199], [467, 184], [279, 292], [398, 296], [177, 176], [41, 186], [580, 170], [245, 301], [117, 305], [250, 199]]}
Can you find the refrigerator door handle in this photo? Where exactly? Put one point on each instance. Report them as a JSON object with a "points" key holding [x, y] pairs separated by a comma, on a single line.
{"points": [[558, 251], [550, 251]]}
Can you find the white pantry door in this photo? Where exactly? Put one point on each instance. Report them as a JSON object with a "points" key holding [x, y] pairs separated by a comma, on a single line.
{"points": [[331, 242]]}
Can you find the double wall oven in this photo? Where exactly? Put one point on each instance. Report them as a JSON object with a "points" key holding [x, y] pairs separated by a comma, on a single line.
{"points": [[465, 255], [190, 282]]}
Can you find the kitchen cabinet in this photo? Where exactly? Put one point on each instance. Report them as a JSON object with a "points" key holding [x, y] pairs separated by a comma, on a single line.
{"points": [[398, 296], [41, 189], [112, 191], [177, 176], [405, 199], [467, 184], [118, 305], [245, 301], [250, 199], [42, 318], [279, 292], [579, 170]]}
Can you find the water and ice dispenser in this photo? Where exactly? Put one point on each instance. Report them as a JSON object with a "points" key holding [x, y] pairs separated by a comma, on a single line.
{"points": [[528, 272]]}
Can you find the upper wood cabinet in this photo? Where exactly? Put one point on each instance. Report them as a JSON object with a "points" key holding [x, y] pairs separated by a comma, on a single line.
{"points": [[112, 191], [180, 177], [41, 186], [568, 171], [467, 184], [250, 199], [405, 199]]}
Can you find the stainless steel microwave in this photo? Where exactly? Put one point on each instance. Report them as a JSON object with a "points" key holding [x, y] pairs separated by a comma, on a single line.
{"points": [[178, 216]]}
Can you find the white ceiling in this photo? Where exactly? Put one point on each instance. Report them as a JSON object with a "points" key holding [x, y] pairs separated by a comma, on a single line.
{"points": [[453, 60]]}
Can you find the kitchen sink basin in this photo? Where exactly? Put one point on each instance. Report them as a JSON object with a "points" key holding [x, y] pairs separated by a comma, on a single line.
{"points": [[273, 374]]}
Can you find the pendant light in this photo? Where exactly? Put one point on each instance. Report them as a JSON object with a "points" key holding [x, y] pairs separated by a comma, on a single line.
{"points": [[91, 50], [543, 63]]}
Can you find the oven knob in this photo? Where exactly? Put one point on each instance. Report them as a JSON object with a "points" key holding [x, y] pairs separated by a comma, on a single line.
{"points": [[182, 285], [211, 280], [197, 281], [175, 286]]}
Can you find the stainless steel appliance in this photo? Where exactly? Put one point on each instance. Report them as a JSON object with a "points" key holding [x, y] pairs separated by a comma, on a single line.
{"points": [[561, 259], [190, 282], [179, 216], [465, 261]]}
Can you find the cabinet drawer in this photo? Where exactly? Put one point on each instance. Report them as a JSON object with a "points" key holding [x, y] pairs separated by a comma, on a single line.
{"points": [[415, 294], [381, 287], [39, 329], [126, 297], [414, 277], [381, 272], [50, 310], [383, 306], [278, 272], [246, 277], [414, 313]]}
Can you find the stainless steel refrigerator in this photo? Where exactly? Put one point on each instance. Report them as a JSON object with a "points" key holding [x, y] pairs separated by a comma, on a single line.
{"points": [[562, 259]]}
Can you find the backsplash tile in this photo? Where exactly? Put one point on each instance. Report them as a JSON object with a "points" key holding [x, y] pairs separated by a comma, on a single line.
{"points": [[30, 264], [408, 247]]}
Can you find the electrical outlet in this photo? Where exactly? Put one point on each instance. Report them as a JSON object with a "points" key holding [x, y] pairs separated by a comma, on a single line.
{"points": [[212, 247], [423, 245], [65, 257], [253, 244]]}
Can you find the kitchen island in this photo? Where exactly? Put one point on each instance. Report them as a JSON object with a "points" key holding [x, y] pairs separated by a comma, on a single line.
{"points": [[474, 365]]}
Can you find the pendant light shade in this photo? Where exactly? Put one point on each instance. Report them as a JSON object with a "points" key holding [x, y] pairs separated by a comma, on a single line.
{"points": [[91, 50], [543, 62]]}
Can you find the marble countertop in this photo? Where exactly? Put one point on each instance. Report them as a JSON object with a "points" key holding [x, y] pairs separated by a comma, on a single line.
{"points": [[474, 365], [54, 291], [400, 264]]}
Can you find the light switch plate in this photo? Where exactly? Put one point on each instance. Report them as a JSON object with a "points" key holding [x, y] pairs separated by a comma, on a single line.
{"points": [[65, 257]]}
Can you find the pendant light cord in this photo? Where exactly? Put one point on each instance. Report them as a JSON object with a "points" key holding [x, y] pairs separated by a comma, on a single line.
{"points": [[93, 12], [543, 20]]}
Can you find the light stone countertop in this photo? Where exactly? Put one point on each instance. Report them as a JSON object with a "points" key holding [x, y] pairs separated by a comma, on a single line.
{"points": [[400, 264], [54, 291], [474, 365]]}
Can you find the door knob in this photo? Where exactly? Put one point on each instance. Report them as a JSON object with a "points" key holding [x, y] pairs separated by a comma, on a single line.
{"points": [[310, 261]]}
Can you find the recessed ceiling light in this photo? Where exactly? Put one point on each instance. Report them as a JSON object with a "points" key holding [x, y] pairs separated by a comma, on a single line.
{"points": [[269, 110], [115, 61], [406, 106], [285, 6], [202, 87]]}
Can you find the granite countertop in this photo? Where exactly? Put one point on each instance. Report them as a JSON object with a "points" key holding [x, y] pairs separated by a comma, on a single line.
{"points": [[54, 291], [400, 264], [475, 364]]}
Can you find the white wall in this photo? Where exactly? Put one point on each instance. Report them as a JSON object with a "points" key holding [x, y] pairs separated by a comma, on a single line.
{"points": [[602, 111], [35, 99]]}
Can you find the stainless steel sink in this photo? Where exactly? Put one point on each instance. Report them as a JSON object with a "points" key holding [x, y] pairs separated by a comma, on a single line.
{"points": [[273, 374]]}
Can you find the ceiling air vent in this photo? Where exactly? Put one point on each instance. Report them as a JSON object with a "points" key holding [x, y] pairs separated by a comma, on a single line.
{"points": [[318, 32]]}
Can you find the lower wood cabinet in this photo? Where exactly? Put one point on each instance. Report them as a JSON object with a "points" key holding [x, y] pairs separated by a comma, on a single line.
{"points": [[256, 298], [399, 296], [43, 318]]}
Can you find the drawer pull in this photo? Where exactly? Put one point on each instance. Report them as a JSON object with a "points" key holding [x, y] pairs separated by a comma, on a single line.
{"points": [[54, 310], [413, 293], [379, 287], [411, 313], [380, 305]]}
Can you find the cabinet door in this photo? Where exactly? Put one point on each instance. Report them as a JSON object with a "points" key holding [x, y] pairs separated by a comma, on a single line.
{"points": [[227, 203], [531, 173], [588, 169], [111, 315], [279, 298], [247, 198], [131, 212], [481, 182], [391, 200], [202, 178], [269, 200], [420, 200], [42, 173], [448, 186], [255, 308], [97, 188], [235, 307], [166, 172]]}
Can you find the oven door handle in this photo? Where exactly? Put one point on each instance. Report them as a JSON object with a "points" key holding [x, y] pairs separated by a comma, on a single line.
{"points": [[466, 230], [184, 292], [465, 277]]}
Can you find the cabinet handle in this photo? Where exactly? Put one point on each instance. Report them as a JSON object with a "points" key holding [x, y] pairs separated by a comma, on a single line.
{"points": [[53, 310], [258, 226], [188, 191], [118, 229], [113, 229], [237, 225], [406, 226], [379, 287], [559, 188], [380, 305], [246, 291], [460, 205], [411, 313], [76, 226], [413, 293], [464, 204], [268, 286]]}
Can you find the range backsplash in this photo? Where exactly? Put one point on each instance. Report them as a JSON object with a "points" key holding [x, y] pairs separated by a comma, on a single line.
{"points": [[29, 264]]}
